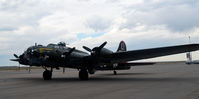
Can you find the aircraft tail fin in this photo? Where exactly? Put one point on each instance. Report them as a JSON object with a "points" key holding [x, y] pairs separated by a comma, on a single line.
{"points": [[122, 47]]}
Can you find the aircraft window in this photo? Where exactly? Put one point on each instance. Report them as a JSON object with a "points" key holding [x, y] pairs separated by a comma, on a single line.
{"points": [[29, 49]]}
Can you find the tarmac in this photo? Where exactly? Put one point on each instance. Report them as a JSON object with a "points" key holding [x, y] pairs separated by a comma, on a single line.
{"points": [[159, 81]]}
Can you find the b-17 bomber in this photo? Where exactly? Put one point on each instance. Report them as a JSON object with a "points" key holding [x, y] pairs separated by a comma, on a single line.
{"points": [[89, 61]]}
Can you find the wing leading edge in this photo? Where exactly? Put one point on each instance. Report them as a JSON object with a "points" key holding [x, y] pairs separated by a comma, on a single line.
{"points": [[152, 52]]}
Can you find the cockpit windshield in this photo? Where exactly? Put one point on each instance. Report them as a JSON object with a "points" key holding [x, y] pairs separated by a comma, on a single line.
{"points": [[59, 45]]}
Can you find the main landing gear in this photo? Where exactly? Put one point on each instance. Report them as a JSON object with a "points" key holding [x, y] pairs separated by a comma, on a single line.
{"points": [[47, 74], [83, 74]]}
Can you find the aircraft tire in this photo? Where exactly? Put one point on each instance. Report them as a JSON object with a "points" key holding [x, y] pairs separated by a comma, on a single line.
{"points": [[83, 74], [47, 75]]}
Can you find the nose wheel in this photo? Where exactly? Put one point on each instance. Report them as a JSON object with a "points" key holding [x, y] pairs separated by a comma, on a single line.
{"points": [[83, 74], [47, 75]]}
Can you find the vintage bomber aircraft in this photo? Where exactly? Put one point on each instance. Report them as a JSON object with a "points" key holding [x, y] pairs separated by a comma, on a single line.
{"points": [[100, 58]]}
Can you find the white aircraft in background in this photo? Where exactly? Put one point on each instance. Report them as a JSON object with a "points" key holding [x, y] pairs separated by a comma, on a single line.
{"points": [[189, 59], [189, 56]]}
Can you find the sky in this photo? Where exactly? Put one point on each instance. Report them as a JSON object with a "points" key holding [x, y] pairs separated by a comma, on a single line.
{"points": [[140, 23]]}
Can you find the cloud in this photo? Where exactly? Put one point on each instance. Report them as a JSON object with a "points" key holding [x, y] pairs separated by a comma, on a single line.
{"points": [[176, 15], [98, 24], [140, 23]]}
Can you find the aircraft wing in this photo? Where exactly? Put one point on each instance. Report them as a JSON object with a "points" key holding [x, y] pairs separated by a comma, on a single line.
{"points": [[152, 52]]}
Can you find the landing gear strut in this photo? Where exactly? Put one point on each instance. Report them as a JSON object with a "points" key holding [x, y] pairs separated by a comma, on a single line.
{"points": [[47, 75], [83, 74], [115, 72]]}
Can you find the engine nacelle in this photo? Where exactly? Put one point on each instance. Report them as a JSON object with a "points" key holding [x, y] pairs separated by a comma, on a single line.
{"points": [[105, 51]]}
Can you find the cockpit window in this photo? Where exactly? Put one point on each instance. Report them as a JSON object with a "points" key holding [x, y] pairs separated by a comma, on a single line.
{"points": [[29, 49], [53, 46], [59, 45]]}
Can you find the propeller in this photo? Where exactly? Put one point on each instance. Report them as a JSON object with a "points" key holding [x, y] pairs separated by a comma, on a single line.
{"points": [[14, 59], [103, 44], [88, 49], [16, 56], [96, 50], [19, 59], [69, 52]]}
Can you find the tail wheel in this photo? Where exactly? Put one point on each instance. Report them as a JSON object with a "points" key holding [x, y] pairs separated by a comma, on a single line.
{"points": [[47, 75], [83, 74]]}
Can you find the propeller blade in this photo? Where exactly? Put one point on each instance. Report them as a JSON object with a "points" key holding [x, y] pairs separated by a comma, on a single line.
{"points": [[86, 48], [14, 59], [16, 56], [71, 50], [68, 53], [101, 46]]}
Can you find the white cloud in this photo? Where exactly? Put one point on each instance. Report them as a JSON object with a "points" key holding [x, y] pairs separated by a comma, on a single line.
{"points": [[141, 23], [177, 15]]}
